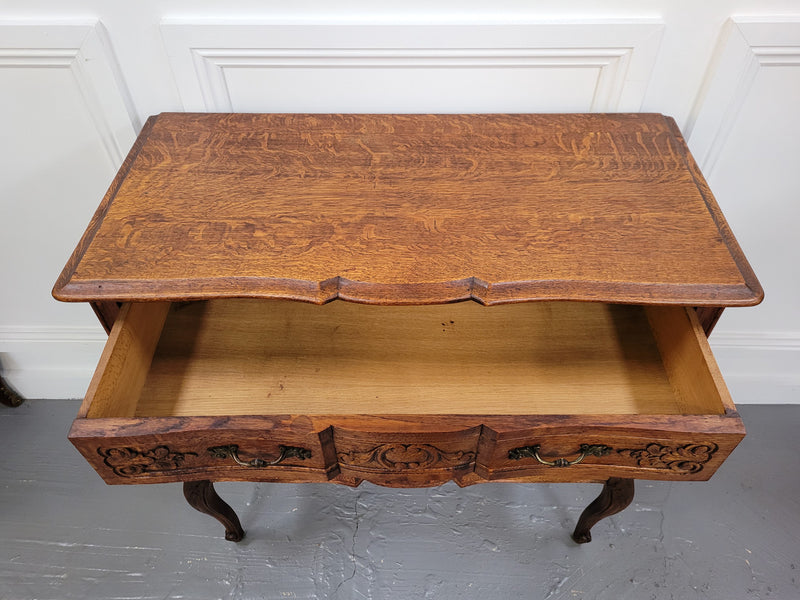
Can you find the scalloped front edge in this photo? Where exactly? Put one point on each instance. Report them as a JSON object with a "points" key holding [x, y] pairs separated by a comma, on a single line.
{"points": [[470, 288]]}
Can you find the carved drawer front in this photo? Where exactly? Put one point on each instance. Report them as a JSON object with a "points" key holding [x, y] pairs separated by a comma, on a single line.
{"points": [[603, 454], [220, 455], [405, 396], [405, 459]]}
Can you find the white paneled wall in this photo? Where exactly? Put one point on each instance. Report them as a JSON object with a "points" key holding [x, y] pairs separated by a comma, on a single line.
{"points": [[65, 128], [746, 138], [577, 67], [78, 78]]}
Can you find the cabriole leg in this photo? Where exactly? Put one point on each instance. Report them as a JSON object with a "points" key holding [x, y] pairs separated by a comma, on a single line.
{"points": [[202, 496], [616, 495]]}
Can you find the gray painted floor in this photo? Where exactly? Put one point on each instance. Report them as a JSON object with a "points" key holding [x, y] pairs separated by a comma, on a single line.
{"points": [[65, 534]]}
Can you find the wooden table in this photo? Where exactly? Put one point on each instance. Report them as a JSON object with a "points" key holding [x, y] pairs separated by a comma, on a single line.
{"points": [[408, 300]]}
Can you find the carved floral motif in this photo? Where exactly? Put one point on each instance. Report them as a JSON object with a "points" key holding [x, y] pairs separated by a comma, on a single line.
{"points": [[129, 462], [686, 459], [406, 457]]}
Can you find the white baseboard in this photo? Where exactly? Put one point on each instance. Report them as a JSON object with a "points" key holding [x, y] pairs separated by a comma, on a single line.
{"points": [[759, 368], [51, 384], [50, 362]]}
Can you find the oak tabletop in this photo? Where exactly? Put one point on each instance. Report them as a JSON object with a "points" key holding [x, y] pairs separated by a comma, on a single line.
{"points": [[410, 209]]}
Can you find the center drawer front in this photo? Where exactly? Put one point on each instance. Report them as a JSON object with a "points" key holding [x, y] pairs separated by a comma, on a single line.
{"points": [[405, 459]]}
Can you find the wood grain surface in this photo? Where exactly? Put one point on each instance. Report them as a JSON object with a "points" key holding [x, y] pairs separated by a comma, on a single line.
{"points": [[261, 357], [410, 209]]}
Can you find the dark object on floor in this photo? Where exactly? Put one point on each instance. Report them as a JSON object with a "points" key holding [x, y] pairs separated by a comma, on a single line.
{"points": [[9, 396]]}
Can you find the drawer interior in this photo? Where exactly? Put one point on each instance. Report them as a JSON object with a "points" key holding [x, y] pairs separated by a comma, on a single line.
{"points": [[253, 357]]}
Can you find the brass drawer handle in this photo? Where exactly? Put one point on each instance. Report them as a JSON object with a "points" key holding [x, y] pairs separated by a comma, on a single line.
{"points": [[533, 451], [232, 450]]}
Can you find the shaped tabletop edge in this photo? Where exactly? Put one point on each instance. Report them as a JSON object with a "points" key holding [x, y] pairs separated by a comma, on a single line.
{"points": [[747, 293]]}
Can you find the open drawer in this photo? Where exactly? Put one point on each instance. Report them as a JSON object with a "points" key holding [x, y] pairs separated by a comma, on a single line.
{"points": [[273, 390]]}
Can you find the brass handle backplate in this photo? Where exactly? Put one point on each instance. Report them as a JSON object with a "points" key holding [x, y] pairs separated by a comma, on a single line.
{"points": [[232, 451], [533, 452]]}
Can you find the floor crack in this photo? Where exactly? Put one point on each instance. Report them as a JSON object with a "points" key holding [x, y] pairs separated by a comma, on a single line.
{"points": [[352, 549], [662, 515]]}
